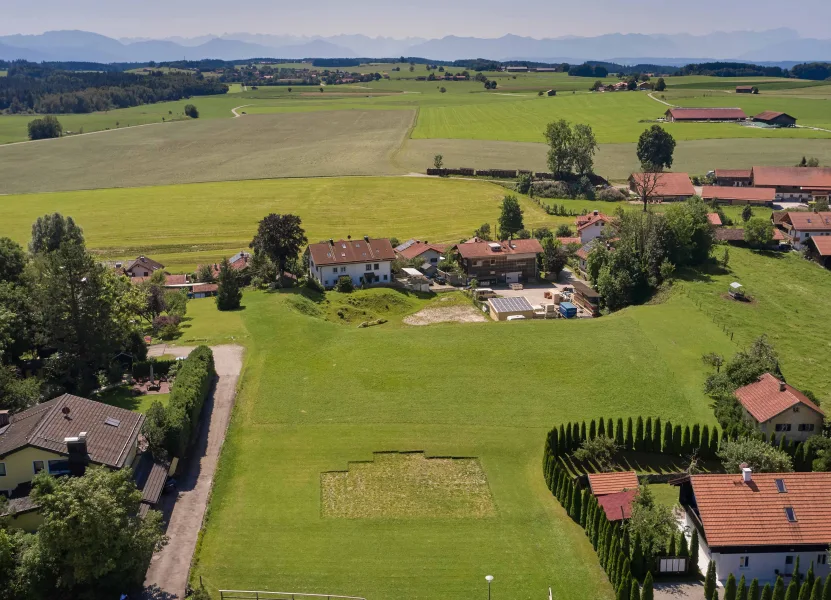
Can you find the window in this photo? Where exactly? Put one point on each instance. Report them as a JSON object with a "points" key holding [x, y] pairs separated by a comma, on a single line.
{"points": [[37, 466], [493, 261], [2, 469], [783, 427], [790, 514], [376, 266], [343, 269], [822, 559], [335, 270], [780, 485], [327, 282], [369, 267], [744, 562], [796, 408], [385, 277], [789, 560], [59, 467], [806, 427]]}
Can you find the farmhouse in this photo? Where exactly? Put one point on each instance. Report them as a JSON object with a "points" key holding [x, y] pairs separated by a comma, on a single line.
{"points": [[366, 262], [670, 187], [757, 524], [615, 493], [794, 183], [799, 227], [778, 119], [738, 195], [733, 177], [592, 227], [517, 69], [735, 235], [425, 251], [511, 261], [773, 406], [502, 309], [142, 267], [744, 89], [63, 436], [819, 249], [705, 114]]}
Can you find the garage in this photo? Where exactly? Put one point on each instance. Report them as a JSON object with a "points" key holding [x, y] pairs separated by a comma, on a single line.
{"points": [[503, 308], [513, 277]]}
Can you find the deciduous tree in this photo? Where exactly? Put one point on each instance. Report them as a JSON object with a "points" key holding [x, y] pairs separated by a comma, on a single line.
{"points": [[510, 220], [655, 149], [281, 238]]}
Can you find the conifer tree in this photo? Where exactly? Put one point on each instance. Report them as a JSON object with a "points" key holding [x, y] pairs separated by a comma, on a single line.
{"points": [[686, 443], [583, 508], [668, 444], [799, 458], [228, 293], [672, 551], [792, 592], [710, 580], [705, 442], [714, 442], [683, 550], [778, 589], [634, 591], [742, 595], [593, 429], [647, 435], [695, 437], [619, 433], [730, 589], [656, 435], [797, 574], [677, 440], [610, 430], [637, 557], [639, 433], [625, 543], [630, 438], [576, 505], [826, 589], [583, 436], [816, 590], [569, 442], [694, 552], [753, 592], [647, 592], [561, 440], [805, 590], [601, 428], [767, 592], [809, 576]]}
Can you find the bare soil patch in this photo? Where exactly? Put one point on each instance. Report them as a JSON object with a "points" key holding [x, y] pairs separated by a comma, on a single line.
{"points": [[449, 314], [407, 485]]}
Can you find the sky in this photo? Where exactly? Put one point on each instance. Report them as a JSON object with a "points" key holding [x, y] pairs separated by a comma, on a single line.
{"points": [[410, 18]]}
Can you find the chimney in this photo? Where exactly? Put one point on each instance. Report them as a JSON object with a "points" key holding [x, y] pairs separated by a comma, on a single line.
{"points": [[595, 213], [782, 386], [4, 418], [366, 239], [747, 473], [76, 448]]}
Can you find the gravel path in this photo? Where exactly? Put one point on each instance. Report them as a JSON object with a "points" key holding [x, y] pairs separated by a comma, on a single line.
{"points": [[167, 576]]}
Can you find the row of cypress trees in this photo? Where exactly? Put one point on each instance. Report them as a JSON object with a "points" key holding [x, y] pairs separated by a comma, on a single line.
{"points": [[807, 588]]}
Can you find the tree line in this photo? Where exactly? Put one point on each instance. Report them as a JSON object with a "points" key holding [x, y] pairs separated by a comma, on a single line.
{"points": [[41, 89], [732, 69]]}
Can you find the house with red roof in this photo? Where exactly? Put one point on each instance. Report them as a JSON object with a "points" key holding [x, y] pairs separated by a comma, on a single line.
{"points": [[738, 195], [511, 261], [424, 251], [366, 261], [758, 525], [794, 183], [819, 248], [669, 187], [800, 226], [615, 493], [592, 226], [774, 407], [714, 219]]}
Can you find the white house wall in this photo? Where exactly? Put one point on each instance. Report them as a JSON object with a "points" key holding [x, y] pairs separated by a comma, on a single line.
{"points": [[328, 277], [591, 232]]}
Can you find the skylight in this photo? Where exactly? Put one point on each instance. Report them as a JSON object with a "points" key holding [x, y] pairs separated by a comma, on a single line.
{"points": [[780, 485], [112, 422], [790, 514]]}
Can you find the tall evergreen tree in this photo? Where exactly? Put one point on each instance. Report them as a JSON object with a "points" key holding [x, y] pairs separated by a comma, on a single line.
{"points": [[583, 435], [730, 589], [610, 430], [647, 593], [809, 576], [630, 438], [816, 590], [826, 589], [638, 565], [705, 442], [695, 438], [229, 293], [686, 443], [593, 429], [576, 505], [634, 591], [683, 550], [778, 589], [668, 444], [569, 441], [714, 442], [561, 441], [792, 591], [694, 552], [710, 580], [647, 435], [639, 434], [656, 435], [753, 592], [767, 592], [583, 508], [805, 591], [797, 574], [799, 458], [742, 589], [672, 551]]}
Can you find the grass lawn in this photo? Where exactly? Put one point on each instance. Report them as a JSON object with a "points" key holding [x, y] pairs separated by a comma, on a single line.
{"points": [[664, 493], [316, 395], [123, 398]]}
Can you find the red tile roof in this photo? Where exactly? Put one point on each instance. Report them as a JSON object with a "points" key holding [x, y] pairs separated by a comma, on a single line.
{"points": [[483, 249], [417, 248], [351, 251], [714, 219], [822, 244], [792, 176], [612, 483], [203, 288], [618, 506], [593, 219], [707, 114], [768, 397], [808, 221], [724, 234], [735, 513], [733, 173], [670, 184], [176, 280], [745, 194], [565, 241]]}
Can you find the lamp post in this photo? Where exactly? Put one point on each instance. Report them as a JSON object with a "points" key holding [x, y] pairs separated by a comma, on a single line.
{"points": [[489, 578]]}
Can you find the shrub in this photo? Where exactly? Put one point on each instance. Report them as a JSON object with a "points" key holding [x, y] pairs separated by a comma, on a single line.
{"points": [[47, 127], [191, 111], [611, 194], [345, 284], [551, 189], [187, 396], [313, 284]]}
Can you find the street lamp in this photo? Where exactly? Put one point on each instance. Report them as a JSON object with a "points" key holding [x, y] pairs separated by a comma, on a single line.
{"points": [[489, 578]]}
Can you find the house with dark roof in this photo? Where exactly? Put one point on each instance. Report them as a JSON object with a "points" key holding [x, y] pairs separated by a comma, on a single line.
{"points": [[142, 266], [366, 261], [756, 525], [775, 118], [511, 261], [819, 249], [732, 177], [774, 407], [678, 114], [62, 437], [744, 89]]}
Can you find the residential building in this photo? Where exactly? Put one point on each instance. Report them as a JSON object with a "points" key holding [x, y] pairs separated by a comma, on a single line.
{"points": [[798, 227], [142, 267], [670, 187], [592, 227], [774, 407], [738, 195], [733, 177], [511, 261], [583, 256], [205, 290], [238, 262], [366, 261], [714, 219], [705, 114], [777, 119], [62, 437], [819, 248], [615, 493], [427, 252], [757, 524], [794, 183]]}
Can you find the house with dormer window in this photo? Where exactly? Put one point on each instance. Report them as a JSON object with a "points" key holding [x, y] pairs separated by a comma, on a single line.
{"points": [[365, 261]]}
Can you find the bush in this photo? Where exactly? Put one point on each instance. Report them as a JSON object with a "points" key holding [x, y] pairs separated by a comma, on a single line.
{"points": [[47, 127], [166, 326], [551, 189], [611, 194], [161, 367], [345, 284], [313, 284], [187, 396], [191, 111]]}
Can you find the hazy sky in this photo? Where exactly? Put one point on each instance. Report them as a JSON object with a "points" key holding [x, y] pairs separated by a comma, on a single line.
{"points": [[402, 18]]}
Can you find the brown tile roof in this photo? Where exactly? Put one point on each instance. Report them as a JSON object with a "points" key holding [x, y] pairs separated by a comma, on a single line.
{"points": [[714, 219], [417, 248], [612, 483], [777, 216], [706, 114], [618, 506], [744, 87], [745, 194], [483, 249], [565, 241], [735, 513], [45, 426], [822, 244], [808, 221], [592, 219], [792, 176], [176, 280], [670, 184], [733, 173], [351, 251], [770, 115], [585, 290], [202, 288], [143, 261], [724, 234], [768, 397]]}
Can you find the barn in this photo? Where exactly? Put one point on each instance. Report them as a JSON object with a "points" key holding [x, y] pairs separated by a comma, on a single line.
{"points": [[777, 119], [705, 114]]}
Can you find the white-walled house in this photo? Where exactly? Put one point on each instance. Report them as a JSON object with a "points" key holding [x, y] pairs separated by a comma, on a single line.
{"points": [[801, 226], [366, 261], [592, 226], [776, 408], [757, 524]]}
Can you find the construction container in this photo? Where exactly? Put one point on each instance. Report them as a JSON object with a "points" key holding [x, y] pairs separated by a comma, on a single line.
{"points": [[568, 310]]}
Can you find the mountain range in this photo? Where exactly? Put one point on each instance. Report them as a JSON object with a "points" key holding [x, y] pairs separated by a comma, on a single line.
{"points": [[775, 45]]}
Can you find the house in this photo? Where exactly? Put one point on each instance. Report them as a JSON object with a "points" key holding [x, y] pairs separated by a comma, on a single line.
{"points": [[794, 183], [778, 119], [511, 261], [583, 256], [615, 493], [645, 85], [773, 406], [170, 281], [744, 89], [205, 290], [669, 187], [501, 309], [756, 524], [704, 114], [366, 262], [736, 235], [714, 219], [431, 253], [517, 69], [738, 195], [798, 227], [733, 177], [592, 227], [586, 298], [142, 267], [62, 437], [819, 249], [238, 262]]}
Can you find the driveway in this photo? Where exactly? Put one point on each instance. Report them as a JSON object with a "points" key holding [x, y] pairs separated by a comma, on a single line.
{"points": [[679, 591], [167, 576]]}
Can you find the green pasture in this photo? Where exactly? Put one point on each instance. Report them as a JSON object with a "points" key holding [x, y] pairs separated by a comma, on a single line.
{"points": [[808, 111]]}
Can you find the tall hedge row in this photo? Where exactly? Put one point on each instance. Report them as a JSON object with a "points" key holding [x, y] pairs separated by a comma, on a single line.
{"points": [[187, 396]]}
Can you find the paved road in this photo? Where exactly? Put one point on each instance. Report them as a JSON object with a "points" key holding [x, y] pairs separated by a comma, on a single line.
{"points": [[167, 576]]}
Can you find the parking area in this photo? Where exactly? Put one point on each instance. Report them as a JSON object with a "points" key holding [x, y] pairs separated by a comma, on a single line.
{"points": [[535, 293]]}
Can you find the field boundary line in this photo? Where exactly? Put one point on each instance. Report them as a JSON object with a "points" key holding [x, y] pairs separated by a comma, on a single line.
{"points": [[404, 139], [74, 135]]}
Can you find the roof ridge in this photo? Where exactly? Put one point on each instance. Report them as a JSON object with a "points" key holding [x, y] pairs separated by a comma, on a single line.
{"points": [[43, 420]]}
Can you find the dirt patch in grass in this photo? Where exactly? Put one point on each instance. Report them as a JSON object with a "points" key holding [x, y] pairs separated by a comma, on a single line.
{"points": [[446, 314], [407, 485]]}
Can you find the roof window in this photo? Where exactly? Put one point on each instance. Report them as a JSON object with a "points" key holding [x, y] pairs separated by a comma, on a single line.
{"points": [[112, 422], [790, 514], [780, 486]]}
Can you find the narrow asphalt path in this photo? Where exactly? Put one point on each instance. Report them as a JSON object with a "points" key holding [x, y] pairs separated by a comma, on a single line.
{"points": [[167, 576]]}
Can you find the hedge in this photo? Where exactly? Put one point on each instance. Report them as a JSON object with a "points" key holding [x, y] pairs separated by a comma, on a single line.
{"points": [[187, 396]]}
